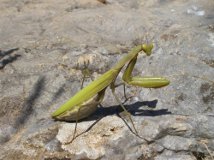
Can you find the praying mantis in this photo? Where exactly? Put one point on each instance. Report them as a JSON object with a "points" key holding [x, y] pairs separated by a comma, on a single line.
{"points": [[85, 102]]}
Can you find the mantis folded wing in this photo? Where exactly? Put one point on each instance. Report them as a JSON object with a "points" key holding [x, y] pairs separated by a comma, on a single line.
{"points": [[85, 102]]}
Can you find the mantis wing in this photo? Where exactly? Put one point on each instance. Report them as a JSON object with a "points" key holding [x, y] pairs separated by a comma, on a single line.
{"points": [[84, 109], [87, 93]]}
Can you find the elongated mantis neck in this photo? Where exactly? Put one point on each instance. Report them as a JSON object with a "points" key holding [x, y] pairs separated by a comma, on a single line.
{"points": [[134, 52]]}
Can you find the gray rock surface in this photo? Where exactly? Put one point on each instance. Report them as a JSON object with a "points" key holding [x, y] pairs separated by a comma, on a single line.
{"points": [[41, 43]]}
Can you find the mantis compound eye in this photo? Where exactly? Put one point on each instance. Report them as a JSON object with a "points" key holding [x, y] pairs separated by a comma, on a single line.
{"points": [[147, 48]]}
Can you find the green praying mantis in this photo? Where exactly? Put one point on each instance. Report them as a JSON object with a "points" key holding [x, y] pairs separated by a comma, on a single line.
{"points": [[85, 102]]}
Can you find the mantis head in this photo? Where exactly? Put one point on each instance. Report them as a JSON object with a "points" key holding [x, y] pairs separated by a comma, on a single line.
{"points": [[147, 48]]}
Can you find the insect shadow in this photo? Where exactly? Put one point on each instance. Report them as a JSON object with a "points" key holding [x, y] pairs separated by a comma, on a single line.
{"points": [[30, 101], [135, 109]]}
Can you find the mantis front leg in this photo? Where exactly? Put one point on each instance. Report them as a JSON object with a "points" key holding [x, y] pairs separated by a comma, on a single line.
{"points": [[146, 82]]}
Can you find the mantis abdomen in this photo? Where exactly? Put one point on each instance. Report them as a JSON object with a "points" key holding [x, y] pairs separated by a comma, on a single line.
{"points": [[83, 109]]}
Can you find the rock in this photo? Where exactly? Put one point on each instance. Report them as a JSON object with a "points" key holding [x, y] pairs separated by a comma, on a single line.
{"points": [[177, 143], [175, 156], [45, 47]]}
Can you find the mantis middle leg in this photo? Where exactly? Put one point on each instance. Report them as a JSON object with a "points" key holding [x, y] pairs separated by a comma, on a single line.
{"points": [[124, 90], [118, 100]]}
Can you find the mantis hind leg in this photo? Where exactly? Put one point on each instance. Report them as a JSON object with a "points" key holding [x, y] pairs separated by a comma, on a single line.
{"points": [[75, 129], [89, 108]]}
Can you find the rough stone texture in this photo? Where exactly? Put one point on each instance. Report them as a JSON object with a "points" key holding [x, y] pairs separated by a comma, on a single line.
{"points": [[41, 43]]}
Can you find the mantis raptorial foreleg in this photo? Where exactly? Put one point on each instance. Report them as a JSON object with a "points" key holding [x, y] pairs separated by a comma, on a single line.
{"points": [[146, 82]]}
